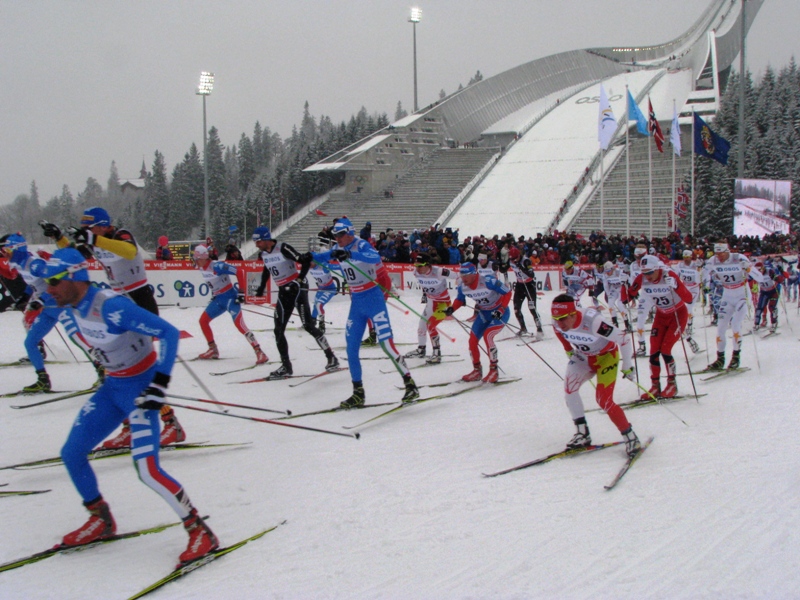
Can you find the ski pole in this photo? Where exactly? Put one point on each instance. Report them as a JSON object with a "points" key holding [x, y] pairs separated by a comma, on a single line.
{"points": [[193, 399], [660, 403], [268, 421], [469, 332], [528, 346], [199, 381]]}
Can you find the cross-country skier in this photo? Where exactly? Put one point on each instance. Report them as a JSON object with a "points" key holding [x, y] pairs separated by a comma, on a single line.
{"points": [[688, 270], [224, 298], [327, 288], [491, 299], [280, 263], [358, 262], [769, 280], [436, 296], [525, 291], [594, 347], [136, 379], [659, 286]]}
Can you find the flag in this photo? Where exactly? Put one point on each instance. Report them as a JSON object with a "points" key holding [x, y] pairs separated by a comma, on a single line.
{"points": [[675, 133], [681, 203], [319, 213], [707, 143], [606, 123], [655, 128], [634, 114]]}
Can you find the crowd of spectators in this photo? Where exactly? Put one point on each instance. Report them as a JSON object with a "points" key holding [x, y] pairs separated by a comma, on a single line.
{"points": [[444, 245]]}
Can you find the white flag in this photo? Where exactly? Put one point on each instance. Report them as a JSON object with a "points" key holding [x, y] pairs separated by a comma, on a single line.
{"points": [[675, 133], [606, 123]]}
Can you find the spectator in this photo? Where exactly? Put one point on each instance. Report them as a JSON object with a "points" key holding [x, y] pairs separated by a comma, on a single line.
{"points": [[232, 253]]}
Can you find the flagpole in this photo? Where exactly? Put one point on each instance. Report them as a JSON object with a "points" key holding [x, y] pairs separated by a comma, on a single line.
{"points": [[650, 181], [694, 199], [627, 165], [674, 189]]}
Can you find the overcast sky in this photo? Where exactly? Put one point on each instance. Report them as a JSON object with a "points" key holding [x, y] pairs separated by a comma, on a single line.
{"points": [[86, 82]]}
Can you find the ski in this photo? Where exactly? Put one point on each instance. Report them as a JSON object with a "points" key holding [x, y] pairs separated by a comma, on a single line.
{"points": [[24, 393], [6, 493], [271, 378], [461, 381], [333, 410], [417, 401], [628, 464], [59, 549], [56, 399], [27, 363], [274, 362], [100, 453], [638, 403], [198, 359], [182, 570], [318, 375], [423, 365], [556, 455], [726, 372]]}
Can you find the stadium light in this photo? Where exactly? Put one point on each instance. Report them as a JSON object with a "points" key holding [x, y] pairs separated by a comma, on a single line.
{"points": [[204, 89], [416, 17]]}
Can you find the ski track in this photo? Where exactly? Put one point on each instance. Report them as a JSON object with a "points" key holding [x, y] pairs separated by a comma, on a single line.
{"points": [[709, 511]]}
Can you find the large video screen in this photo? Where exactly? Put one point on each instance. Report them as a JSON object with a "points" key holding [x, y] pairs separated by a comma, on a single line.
{"points": [[761, 207]]}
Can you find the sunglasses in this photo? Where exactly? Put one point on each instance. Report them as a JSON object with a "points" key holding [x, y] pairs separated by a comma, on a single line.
{"points": [[56, 279], [561, 317], [339, 234]]}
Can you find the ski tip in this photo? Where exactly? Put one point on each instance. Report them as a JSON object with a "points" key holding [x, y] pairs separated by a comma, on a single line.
{"points": [[357, 436], [288, 413]]}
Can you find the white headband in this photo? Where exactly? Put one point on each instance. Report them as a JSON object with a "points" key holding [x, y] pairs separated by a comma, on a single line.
{"points": [[721, 247]]}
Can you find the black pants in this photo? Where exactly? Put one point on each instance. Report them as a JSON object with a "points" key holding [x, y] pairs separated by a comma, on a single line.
{"points": [[144, 297], [291, 296], [526, 292]]}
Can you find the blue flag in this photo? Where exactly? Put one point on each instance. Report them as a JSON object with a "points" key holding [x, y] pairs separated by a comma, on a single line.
{"points": [[707, 143], [634, 114]]}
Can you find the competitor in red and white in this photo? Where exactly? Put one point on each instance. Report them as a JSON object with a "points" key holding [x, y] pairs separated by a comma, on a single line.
{"points": [[689, 272], [641, 306], [661, 287], [729, 270], [436, 295], [614, 280], [594, 347], [224, 298]]}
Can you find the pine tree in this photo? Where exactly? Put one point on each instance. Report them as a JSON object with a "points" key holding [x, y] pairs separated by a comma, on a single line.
{"points": [[155, 204]]}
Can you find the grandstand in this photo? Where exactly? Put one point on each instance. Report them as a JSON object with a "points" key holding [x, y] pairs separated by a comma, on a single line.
{"points": [[531, 162]]}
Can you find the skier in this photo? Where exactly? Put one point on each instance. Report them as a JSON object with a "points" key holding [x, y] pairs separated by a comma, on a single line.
{"points": [[280, 262], [327, 288], [224, 298], [117, 251], [576, 281], [642, 310], [689, 272], [594, 347], [491, 299], [358, 262], [136, 379], [729, 271], [525, 291], [769, 280], [661, 287], [436, 296], [41, 313], [613, 280]]}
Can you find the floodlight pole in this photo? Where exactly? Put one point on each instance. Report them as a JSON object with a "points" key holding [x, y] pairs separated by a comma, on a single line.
{"points": [[416, 15], [204, 89]]}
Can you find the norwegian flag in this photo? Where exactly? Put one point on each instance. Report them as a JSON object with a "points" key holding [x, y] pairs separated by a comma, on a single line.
{"points": [[681, 203], [319, 213], [655, 128]]}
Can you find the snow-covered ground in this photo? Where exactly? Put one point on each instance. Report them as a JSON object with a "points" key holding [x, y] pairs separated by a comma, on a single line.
{"points": [[710, 511]]}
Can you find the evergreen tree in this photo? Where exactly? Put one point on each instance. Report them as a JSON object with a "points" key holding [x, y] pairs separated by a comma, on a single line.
{"points": [[155, 204], [399, 112]]}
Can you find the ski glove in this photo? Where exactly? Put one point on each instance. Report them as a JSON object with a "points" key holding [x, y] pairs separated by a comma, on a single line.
{"points": [[240, 298], [340, 254], [152, 398], [50, 230], [448, 311], [671, 282], [497, 314], [629, 374], [424, 298], [305, 258], [81, 236]]}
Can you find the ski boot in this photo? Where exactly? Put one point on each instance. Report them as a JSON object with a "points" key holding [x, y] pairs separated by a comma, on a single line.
{"points": [[100, 525], [172, 433], [632, 443], [261, 358], [333, 363], [357, 399], [435, 358], [581, 439], [539, 335], [211, 354], [492, 376], [655, 390], [122, 439], [321, 324], [282, 372], [372, 339], [412, 392], [42, 384], [773, 328], [418, 353], [671, 390], [717, 365], [641, 350], [734, 364], [693, 345], [202, 540], [475, 375]]}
